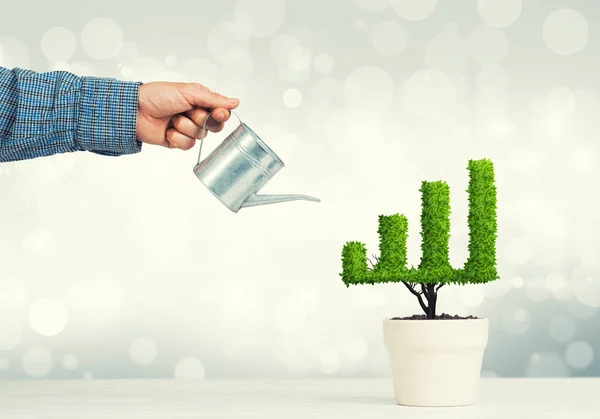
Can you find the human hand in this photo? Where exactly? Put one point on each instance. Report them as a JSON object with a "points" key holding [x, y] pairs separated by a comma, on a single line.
{"points": [[172, 114]]}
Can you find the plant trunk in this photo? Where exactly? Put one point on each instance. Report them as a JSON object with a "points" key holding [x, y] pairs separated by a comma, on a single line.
{"points": [[433, 303], [430, 293]]}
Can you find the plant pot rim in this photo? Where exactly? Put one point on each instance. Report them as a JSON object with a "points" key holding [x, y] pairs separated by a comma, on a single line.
{"points": [[389, 320]]}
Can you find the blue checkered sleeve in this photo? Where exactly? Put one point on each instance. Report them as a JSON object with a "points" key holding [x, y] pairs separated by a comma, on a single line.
{"points": [[58, 112]]}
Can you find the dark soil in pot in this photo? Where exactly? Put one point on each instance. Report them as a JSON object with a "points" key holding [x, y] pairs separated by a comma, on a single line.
{"points": [[443, 316]]}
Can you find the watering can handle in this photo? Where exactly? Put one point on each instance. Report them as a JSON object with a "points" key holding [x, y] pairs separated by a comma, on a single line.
{"points": [[204, 131]]}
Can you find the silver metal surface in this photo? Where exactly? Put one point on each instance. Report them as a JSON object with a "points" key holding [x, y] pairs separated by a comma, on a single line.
{"points": [[239, 167], [256, 200]]}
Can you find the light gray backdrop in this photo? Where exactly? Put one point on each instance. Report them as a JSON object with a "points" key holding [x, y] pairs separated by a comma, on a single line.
{"points": [[129, 267]]}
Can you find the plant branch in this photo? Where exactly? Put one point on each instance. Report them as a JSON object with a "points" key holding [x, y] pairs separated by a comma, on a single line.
{"points": [[411, 288], [425, 292], [416, 293], [371, 262], [439, 286]]}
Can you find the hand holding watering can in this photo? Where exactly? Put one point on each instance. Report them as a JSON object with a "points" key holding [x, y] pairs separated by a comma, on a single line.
{"points": [[172, 114], [238, 168]]}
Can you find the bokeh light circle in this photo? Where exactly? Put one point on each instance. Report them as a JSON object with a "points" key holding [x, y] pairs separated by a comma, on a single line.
{"points": [[330, 362], [565, 31], [299, 58], [70, 362], [323, 63], [102, 38], [127, 72], [579, 310], [48, 316], [261, 18], [37, 362], [413, 10], [518, 282], [189, 369], [447, 51], [389, 38], [292, 98], [579, 355], [536, 290], [14, 53], [59, 44], [499, 13], [143, 351], [585, 283], [516, 322]]}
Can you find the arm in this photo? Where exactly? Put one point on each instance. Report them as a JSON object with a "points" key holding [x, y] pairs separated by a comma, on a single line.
{"points": [[58, 112]]}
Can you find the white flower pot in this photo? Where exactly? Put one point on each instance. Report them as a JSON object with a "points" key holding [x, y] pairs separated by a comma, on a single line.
{"points": [[436, 362]]}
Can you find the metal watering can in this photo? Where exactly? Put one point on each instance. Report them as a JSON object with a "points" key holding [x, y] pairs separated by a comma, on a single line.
{"points": [[239, 167]]}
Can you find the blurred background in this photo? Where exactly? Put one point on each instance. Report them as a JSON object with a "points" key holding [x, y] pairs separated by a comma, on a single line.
{"points": [[129, 268]]}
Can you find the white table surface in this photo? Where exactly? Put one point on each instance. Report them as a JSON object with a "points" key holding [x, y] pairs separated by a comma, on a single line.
{"points": [[569, 398]]}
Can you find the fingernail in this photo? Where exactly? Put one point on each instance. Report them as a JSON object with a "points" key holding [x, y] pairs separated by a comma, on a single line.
{"points": [[233, 100]]}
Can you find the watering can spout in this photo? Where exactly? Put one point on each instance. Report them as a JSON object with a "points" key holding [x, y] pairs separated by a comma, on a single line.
{"points": [[256, 200]]}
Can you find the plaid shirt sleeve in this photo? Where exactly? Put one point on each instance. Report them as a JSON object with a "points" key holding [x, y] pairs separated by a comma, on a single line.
{"points": [[58, 112]]}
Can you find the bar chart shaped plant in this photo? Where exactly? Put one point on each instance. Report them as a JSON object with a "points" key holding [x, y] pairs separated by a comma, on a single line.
{"points": [[434, 270]]}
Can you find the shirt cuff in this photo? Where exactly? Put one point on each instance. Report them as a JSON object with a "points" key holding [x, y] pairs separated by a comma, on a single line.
{"points": [[107, 114]]}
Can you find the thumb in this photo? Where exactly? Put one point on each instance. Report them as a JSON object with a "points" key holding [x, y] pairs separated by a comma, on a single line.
{"points": [[200, 96]]}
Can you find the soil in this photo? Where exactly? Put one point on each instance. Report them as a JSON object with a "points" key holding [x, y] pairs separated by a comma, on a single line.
{"points": [[442, 316]]}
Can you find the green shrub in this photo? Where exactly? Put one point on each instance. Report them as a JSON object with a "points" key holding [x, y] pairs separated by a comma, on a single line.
{"points": [[434, 269]]}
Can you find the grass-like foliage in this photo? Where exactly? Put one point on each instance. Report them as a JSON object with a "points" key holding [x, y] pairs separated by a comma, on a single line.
{"points": [[434, 270]]}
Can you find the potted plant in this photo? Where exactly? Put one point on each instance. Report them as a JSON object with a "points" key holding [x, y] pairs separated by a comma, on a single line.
{"points": [[435, 359]]}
